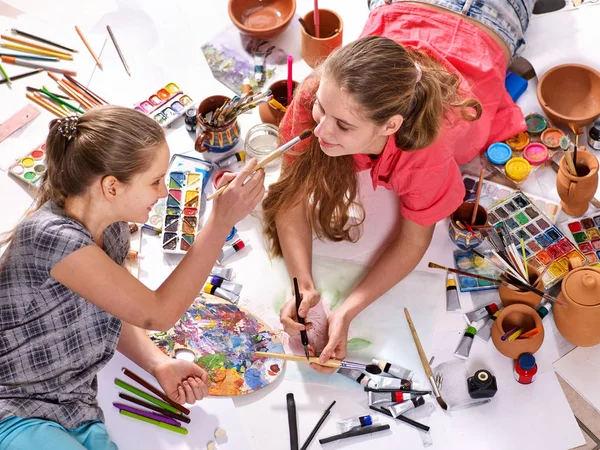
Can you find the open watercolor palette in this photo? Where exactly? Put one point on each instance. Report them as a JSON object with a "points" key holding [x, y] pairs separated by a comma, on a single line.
{"points": [[468, 261], [543, 241], [586, 234], [166, 105], [493, 193], [31, 167]]}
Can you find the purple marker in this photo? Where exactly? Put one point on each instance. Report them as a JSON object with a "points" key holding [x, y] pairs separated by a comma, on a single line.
{"points": [[147, 414]]}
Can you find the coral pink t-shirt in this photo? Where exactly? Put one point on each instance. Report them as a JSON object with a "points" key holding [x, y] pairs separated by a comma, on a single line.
{"points": [[429, 181]]}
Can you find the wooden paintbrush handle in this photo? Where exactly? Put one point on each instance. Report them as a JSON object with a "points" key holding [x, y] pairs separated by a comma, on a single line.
{"points": [[313, 359], [415, 336]]}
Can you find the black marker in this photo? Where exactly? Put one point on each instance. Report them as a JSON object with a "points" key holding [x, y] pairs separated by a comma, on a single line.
{"points": [[303, 334], [292, 421]]}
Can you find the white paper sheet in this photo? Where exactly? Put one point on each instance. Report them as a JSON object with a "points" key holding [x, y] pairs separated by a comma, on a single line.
{"points": [[581, 369]]}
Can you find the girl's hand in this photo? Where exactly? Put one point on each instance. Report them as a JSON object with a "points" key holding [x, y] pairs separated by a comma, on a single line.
{"points": [[183, 381], [288, 317], [338, 338], [239, 199]]}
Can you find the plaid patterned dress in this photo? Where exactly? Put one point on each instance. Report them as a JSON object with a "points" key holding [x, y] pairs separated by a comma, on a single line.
{"points": [[52, 341]]}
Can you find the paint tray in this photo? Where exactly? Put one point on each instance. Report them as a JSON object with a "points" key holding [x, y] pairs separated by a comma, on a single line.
{"points": [[585, 233], [468, 261], [31, 167], [166, 104]]}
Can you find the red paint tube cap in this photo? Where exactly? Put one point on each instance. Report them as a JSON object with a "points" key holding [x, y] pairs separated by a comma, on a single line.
{"points": [[238, 245], [492, 308]]}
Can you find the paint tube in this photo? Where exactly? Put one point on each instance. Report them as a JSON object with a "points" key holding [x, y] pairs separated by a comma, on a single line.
{"points": [[544, 310], [481, 313], [486, 330], [356, 422], [452, 301], [259, 67], [356, 375], [378, 398], [379, 382], [230, 250], [226, 162], [246, 87], [400, 408], [464, 346], [224, 284], [393, 369], [222, 272], [222, 293]]}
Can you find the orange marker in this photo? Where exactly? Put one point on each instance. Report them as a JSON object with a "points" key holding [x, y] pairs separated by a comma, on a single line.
{"points": [[530, 333]]}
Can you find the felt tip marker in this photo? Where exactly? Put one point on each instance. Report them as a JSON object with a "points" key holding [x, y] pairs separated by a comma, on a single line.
{"points": [[452, 301], [229, 250], [393, 369], [224, 284], [378, 398], [400, 408], [356, 422], [232, 159], [222, 293]]}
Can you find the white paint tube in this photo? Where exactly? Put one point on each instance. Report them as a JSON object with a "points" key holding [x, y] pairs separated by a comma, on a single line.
{"points": [[222, 293], [223, 272], [225, 162], [400, 408], [393, 369], [481, 313], [379, 382], [452, 301], [486, 330], [230, 250], [464, 346], [224, 284], [379, 398], [356, 375]]}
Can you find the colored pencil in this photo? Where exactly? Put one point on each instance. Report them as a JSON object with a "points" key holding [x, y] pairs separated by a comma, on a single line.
{"points": [[23, 63], [22, 75], [85, 89], [290, 83], [112, 37], [73, 94], [145, 396], [87, 45], [164, 412], [508, 333], [515, 335], [31, 57], [32, 89], [90, 100], [35, 51], [316, 19], [37, 38], [45, 104], [166, 426], [149, 415], [30, 44], [476, 205], [5, 75], [154, 390], [61, 101], [530, 333], [316, 428]]}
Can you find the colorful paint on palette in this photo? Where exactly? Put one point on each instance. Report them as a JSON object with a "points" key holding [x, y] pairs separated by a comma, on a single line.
{"points": [[586, 234], [166, 105], [222, 338], [468, 261], [544, 242], [31, 167], [493, 193]]}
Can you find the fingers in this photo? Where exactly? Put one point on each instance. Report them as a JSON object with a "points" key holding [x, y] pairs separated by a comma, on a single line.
{"points": [[199, 388], [190, 396], [291, 327], [226, 178], [245, 172], [322, 369], [307, 303]]}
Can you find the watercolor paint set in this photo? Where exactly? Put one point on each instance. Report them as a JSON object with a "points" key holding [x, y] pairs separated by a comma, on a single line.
{"points": [[493, 193], [31, 167], [586, 234], [545, 244], [166, 105], [468, 261]]}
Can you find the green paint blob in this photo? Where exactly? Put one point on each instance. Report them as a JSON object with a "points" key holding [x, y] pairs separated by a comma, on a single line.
{"points": [[29, 176], [212, 362], [357, 344]]}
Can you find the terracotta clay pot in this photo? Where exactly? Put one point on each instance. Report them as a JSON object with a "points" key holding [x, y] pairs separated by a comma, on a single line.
{"points": [[268, 113], [577, 192], [521, 316], [215, 139], [261, 19], [570, 93], [511, 296], [462, 238], [579, 321], [331, 27]]}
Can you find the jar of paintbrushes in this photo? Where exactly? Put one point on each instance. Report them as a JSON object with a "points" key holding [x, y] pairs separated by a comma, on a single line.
{"points": [[467, 221], [577, 181], [510, 295]]}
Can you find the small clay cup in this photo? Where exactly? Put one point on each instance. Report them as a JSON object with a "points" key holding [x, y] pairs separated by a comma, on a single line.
{"points": [[261, 19], [462, 238], [511, 296], [268, 113], [215, 139], [576, 192], [331, 27], [521, 316]]}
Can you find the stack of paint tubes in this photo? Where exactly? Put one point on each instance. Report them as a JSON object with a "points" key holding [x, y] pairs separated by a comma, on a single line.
{"points": [[231, 109], [390, 387], [220, 282]]}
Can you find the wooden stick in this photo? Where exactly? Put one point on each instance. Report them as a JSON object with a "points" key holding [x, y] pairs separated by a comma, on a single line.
{"points": [[335, 363], [46, 105], [476, 206], [36, 46], [85, 42], [37, 38], [155, 391]]}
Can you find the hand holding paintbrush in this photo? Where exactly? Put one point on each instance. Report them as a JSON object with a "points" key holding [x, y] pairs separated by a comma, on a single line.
{"points": [[303, 335]]}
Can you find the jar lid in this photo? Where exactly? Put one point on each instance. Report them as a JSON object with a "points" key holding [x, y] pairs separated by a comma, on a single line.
{"points": [[536, 153], [518, 142], [583, 286], [526, 361], [498, 153], [536, 123], [551, 137], [517, 169]]}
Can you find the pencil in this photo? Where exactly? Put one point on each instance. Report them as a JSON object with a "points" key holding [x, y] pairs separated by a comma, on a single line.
{"points": [[35, 51], [166, 426], [85, 42], [61, 101], [177, 416], [37, 38], [31, 57], [46, 105], [73, 94], [112, 37], [34, 45], [476, 205], [82, 93], [85, 89], [152, 389], [23, 63], [316, 428], [22, 75], [32, 89], [5, 75], [145, 396]]}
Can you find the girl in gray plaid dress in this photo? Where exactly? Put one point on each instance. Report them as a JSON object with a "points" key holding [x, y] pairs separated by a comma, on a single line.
{"points": [[66, 302]]}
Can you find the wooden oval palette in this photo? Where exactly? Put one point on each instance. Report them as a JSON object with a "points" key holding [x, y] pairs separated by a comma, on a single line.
{"points": [[222, 338]]}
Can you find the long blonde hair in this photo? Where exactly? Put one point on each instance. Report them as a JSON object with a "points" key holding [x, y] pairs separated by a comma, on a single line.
{"points": [[383, 79]]}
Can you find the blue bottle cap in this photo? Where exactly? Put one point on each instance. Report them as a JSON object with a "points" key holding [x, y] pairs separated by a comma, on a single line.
{"points": [[526, 361], [231, 234], [498, 153]]}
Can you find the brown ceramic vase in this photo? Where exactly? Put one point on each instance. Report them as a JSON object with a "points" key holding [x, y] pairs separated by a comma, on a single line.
{"points": [[268, 113], [576, 192], [520, 316], [316, 50], [511, 296], [579, 322]]}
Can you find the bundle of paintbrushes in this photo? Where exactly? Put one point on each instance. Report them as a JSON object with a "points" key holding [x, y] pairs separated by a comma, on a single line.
{"points": [[58, 104], [231, 109]]}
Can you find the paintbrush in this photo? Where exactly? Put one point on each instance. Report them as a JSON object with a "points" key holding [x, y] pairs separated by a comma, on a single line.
{"points": [[304, 25], [267, 159], [333, 363], [556, 167], [542, 294], [564, 145], [303, 335], [577, 131], [424, 361], [502, 269], [477, 197]]}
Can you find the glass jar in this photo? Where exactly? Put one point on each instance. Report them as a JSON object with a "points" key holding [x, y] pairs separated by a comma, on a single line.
{"points": [[261, 140]]}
